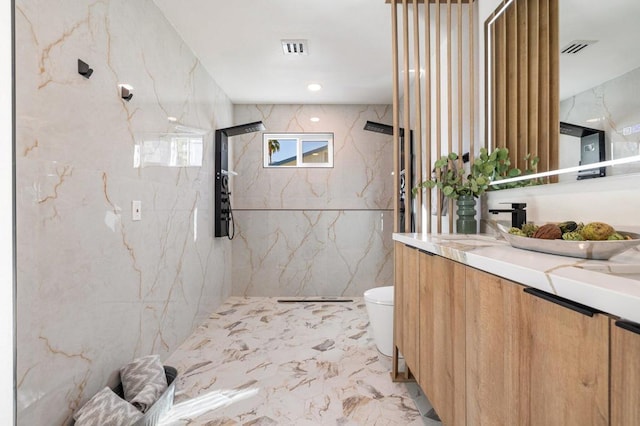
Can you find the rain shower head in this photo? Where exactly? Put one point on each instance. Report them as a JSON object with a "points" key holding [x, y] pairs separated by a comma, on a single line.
{"points": [[241, 129], [381, 128]]}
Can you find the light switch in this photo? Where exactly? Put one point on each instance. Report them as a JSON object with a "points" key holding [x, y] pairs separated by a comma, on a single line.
{"points": [[136, 210]]}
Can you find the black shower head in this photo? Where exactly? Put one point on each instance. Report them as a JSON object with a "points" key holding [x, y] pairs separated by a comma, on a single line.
{"points": [[241, 129], [381, 128]]}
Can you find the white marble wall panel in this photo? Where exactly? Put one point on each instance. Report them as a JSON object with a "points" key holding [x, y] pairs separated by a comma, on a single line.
{"points": [[363, 160], [94, 288], [310, 231], [614, 107], [312, 252]]}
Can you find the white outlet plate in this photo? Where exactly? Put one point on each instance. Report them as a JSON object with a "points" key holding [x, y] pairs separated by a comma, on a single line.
{"points": [[136, 210]]}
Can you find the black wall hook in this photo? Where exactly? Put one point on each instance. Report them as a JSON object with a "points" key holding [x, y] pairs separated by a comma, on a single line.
{"points": [[83, 69], [126, 92]]}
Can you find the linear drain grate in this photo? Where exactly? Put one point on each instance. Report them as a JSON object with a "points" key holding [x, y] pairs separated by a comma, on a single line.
{"points": [[315, 300], [294, 47]]}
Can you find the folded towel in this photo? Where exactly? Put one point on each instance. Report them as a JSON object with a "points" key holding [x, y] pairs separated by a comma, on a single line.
{"points": [[106, 409], [143, 381]]}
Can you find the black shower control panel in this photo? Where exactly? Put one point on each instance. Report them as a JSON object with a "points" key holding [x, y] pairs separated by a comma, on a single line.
{"points": [[222, 193], [223, 212], [225, 200]]}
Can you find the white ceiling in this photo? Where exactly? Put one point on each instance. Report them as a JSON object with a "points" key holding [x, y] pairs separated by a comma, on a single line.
{"points": [[616, 26], [239, 43], [349, 43]]}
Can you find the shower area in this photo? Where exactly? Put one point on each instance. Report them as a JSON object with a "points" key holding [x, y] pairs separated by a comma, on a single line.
{"points": [[313, 231]]}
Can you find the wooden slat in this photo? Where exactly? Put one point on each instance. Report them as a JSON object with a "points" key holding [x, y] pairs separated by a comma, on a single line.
{"points": [[427, 112], [418, 116], [500, 51], [396, 115], [532, 99], [438, 103], [460, 66], [407, 117], [511, 55], [543, 84], [472, 74], [449, 101], [522, 148], [554, 88]]}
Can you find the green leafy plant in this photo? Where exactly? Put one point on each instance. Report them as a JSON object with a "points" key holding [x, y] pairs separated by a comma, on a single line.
{"points": [[498, 165], [454, 181]]}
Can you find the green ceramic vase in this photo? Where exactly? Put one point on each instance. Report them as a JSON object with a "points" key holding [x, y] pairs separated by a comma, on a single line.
{"points": [[466, 223]]}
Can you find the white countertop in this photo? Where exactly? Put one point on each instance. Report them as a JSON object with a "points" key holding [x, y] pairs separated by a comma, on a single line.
{"points": [[612, 286]]}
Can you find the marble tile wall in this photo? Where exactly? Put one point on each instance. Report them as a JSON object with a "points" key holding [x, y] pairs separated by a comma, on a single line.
{"points": [[310, 231], [96, 289]]}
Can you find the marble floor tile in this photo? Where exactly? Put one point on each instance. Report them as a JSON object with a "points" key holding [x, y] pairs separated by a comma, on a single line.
{"points": [[260, 362]]}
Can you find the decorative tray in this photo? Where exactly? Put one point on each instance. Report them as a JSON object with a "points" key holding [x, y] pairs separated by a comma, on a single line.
{"points": [[599, 250]]}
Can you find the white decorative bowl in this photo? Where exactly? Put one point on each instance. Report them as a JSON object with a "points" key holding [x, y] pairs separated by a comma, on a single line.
{"points": [[600, 250]]}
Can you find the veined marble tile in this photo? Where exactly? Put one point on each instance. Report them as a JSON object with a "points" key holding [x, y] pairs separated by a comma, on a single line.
{"points": [[257, 361], [94, 288], [363, 160], [309, 253], [313, 231]]}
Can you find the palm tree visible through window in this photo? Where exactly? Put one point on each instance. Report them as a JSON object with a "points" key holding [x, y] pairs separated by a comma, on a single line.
{"points": [[274, 146]]}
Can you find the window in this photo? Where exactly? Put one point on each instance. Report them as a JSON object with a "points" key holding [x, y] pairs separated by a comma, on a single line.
{"points": [[298, 149]]}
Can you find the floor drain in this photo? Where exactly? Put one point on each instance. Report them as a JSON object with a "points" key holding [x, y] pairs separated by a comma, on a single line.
{"points": [[314, 300]]}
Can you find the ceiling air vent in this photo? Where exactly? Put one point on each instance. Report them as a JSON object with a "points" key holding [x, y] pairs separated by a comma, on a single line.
{"points": [[294, 47], [576, 46]]}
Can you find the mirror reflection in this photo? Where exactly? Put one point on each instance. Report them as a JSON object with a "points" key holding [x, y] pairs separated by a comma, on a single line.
{"points": [[599, 85]]}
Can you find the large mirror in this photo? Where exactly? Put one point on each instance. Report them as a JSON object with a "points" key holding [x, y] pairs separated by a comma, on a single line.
{"points": [[599, 86]]}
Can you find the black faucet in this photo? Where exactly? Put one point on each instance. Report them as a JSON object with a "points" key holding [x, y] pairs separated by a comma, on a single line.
{"points": [[518, 213]]}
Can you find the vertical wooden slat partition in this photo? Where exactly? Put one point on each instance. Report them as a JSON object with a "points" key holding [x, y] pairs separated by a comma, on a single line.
{"points": [[441, 115], [523, 76]]}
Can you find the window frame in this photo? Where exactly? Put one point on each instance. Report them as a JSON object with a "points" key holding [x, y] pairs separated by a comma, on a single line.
{"points": [[299, 138]]}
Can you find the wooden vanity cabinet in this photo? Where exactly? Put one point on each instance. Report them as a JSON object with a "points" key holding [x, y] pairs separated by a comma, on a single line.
{"points": [[532, 357], [406, 314], [496, 322], [625, 373], [442, 336], [567, 350], [489, 351]]}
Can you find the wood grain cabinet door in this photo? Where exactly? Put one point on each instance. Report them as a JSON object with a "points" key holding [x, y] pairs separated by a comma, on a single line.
{"points": [[442, 336], [495, 358], [398, 271], [568, 369], [406, 315], [625, 373]]}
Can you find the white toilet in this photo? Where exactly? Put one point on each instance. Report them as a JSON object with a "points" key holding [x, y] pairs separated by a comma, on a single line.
{"points": [[379, 302]]}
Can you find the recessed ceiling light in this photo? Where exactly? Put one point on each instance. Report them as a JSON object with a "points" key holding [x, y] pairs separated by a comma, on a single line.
{"points": [[314, 87], [315, 119], [172, 119]]}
